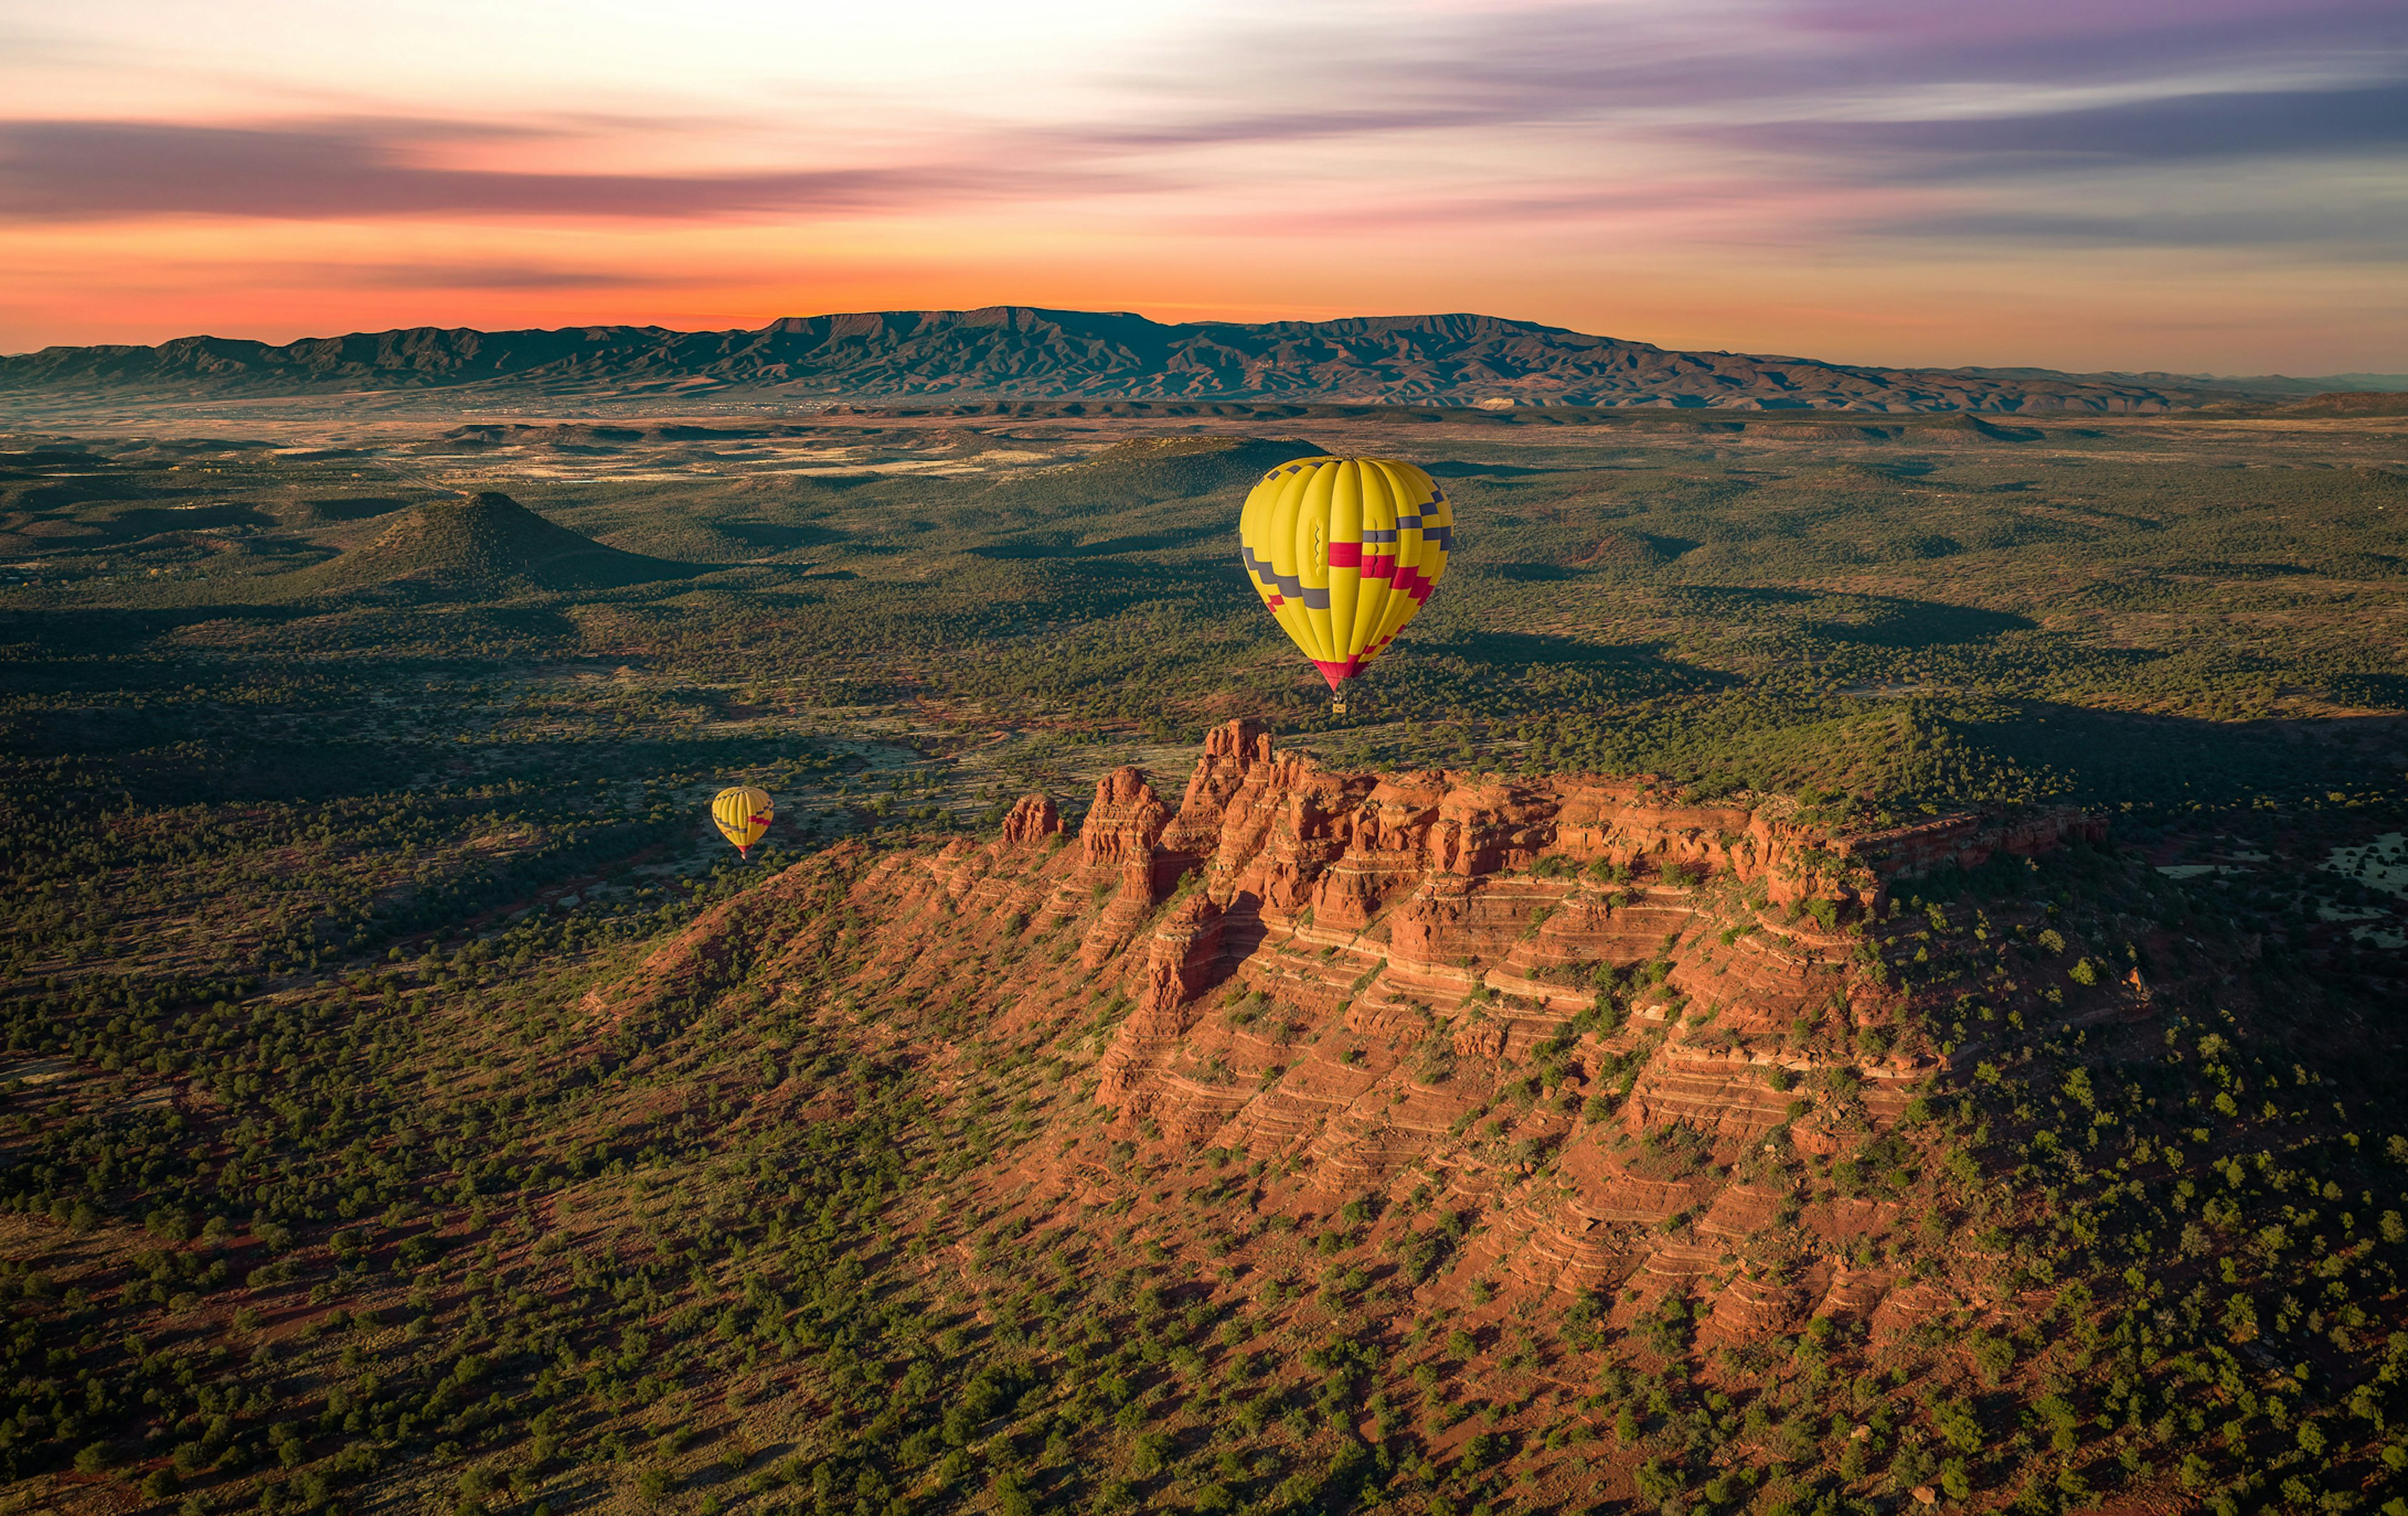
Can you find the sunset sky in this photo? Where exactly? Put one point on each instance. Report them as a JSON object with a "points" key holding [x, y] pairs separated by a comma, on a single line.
{"points": [[2215, 185]]}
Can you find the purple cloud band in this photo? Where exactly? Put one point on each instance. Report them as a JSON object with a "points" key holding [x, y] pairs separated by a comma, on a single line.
{"points": [[2179, 129], [1832, 94], [73, 170]]}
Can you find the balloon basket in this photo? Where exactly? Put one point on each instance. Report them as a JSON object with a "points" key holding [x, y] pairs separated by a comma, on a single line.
{"points": [[1338, 708]]}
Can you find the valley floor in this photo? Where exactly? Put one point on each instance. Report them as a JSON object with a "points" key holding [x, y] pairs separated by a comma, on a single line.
{"points": [[1836, 973]]}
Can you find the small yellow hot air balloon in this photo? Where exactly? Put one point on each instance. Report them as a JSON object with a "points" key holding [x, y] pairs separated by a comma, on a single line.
{"points": [[743, 815], [1343, 551]]}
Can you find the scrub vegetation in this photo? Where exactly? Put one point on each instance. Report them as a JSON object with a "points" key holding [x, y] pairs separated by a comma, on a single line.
{"points": [[335, 1173]]}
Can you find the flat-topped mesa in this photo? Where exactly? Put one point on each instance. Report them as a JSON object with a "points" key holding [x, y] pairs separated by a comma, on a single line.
{"points": [[1378, 981], [1390, 898], [1445, 875], [1325, 931], [1283, 835], [1427, 875]]}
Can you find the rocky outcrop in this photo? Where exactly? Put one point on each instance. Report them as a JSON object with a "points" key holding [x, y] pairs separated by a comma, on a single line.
{"points": [[1123, 822], [1117, 847], [1608, 1020], [1231, 750], [1032, 819], [1185, 957]]}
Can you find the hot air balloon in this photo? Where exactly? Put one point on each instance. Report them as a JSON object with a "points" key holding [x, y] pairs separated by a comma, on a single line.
{"points": [[743, 815], [1344, 552]]}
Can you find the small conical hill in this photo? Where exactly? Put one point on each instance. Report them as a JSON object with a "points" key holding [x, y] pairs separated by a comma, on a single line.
{"points": [[486, 544]]}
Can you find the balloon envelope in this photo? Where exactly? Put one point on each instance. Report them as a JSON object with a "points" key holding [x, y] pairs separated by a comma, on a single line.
{"points": [[742, 813], [1344, 552]]}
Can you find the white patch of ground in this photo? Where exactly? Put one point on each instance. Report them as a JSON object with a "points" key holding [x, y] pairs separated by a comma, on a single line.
{"points": [[2381, 863], [40, 1071]]}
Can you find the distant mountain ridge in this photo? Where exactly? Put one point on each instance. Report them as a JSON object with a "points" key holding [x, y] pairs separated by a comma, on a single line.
{"points": [[2254, 386], [1025, 353]]}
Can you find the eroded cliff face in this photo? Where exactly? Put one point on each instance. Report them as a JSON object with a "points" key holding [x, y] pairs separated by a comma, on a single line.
{"points": [[1597, 1021]]}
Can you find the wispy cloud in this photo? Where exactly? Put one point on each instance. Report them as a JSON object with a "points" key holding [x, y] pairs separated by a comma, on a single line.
{"points": [[1756, 60], [499, 275], [2180, 129], [68, 170], [1551, 103], [1817, 113], [2369, 229]]}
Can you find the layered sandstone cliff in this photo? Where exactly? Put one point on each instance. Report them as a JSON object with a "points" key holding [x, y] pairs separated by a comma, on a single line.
{"points": [[1601, 1021]]}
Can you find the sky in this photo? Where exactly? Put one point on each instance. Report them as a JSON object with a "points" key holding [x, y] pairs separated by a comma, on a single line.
{"points": [[2184, 185]]}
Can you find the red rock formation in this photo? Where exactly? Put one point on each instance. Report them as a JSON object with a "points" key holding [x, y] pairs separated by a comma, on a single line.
{"points": [[1123, 822], [1185, 958], [1381, 981], [1230, 751], [1033, 819], [1117, 846]]}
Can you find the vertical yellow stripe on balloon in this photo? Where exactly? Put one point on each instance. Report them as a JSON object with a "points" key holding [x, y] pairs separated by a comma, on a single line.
{"points": [[1346, 529], [1381, 516], [1263, 511], [1253, 530], [1280, 547], [1249, 536], [1279, 515], [1308, 544], [1400, 608]]}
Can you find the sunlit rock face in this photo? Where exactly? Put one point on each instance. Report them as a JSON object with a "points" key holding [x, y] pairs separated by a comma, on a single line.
{"points": [[1575, 1007]]}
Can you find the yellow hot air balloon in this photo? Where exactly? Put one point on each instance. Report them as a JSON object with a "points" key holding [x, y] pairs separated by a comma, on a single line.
{"points": [[1344, 552], [743, 815]]}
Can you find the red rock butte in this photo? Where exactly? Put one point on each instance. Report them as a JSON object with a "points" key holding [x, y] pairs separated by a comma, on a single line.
{"points": [[1572, 1005]]}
